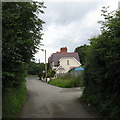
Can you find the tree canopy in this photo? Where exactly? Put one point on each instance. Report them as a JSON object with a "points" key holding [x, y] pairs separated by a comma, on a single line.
{"points": [[36, 68], [102, 71], [21, 29], [82, 51]]}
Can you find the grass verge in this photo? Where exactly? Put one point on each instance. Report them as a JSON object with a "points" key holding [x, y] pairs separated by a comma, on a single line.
{"points": [[105, 108], [67, 81], [13, 101]]}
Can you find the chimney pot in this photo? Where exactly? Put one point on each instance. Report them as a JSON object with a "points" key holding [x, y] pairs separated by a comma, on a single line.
{"points": [[63, 50]]}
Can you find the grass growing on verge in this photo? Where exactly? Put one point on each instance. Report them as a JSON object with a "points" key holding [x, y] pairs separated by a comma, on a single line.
{"points": [[13, 101], [103, 107], [67, 81]]}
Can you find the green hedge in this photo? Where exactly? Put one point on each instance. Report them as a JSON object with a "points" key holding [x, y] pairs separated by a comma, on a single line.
{"points": [[102, 71]]}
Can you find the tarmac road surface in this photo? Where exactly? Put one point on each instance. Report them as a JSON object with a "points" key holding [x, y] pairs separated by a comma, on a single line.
{"points": [[47, 101]]}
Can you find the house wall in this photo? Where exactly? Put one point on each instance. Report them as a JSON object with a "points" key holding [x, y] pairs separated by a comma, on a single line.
{"points": [[68, 63]]}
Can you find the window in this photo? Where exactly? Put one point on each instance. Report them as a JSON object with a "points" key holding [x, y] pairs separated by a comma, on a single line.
{"points": [[68, 62]]}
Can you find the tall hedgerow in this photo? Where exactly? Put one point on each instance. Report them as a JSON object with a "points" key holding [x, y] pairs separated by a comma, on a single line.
{"points": [[102, 71]]}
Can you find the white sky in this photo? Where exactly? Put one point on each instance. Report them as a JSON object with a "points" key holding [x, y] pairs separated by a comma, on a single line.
{"points": [[70, 24]]}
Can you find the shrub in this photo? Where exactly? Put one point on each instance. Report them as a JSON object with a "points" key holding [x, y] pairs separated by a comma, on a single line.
{"points": [[102, 74], [67, 81]]}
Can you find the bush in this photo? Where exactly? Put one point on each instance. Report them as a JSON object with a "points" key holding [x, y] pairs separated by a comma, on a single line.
{"points": [[67, 81], [51, 73], [102, 74]]}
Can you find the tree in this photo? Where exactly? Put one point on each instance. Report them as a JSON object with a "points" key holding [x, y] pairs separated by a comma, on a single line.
{"points": [[102, 74], [21, 30], [36, 68], [21, 38], [82, 53]]}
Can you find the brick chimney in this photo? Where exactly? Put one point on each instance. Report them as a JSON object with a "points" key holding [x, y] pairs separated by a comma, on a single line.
{"points": [[63, 50]]}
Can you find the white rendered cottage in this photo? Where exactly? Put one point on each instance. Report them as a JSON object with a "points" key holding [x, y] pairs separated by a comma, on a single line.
{"points": [[63, 61]]}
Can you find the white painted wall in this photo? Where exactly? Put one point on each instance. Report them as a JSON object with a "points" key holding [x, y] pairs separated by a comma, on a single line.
{"points": [[69, 65]]}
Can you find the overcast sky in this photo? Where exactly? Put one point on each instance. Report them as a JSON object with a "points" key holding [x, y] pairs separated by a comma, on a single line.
{"points": [[70, 24]]}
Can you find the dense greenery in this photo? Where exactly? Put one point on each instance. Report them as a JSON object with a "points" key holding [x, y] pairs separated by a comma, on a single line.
{"points": [[51, 73], [82, 51], [102, 71], [13, 101], [36, 68], [67, 81], [21, 36], [21, 30]]}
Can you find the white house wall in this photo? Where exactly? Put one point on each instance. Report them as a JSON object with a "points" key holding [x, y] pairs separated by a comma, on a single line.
{"points": [[69, 65]]}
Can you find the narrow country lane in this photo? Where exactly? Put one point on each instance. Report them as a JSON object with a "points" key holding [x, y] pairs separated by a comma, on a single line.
{"points": [[47, 101]]}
